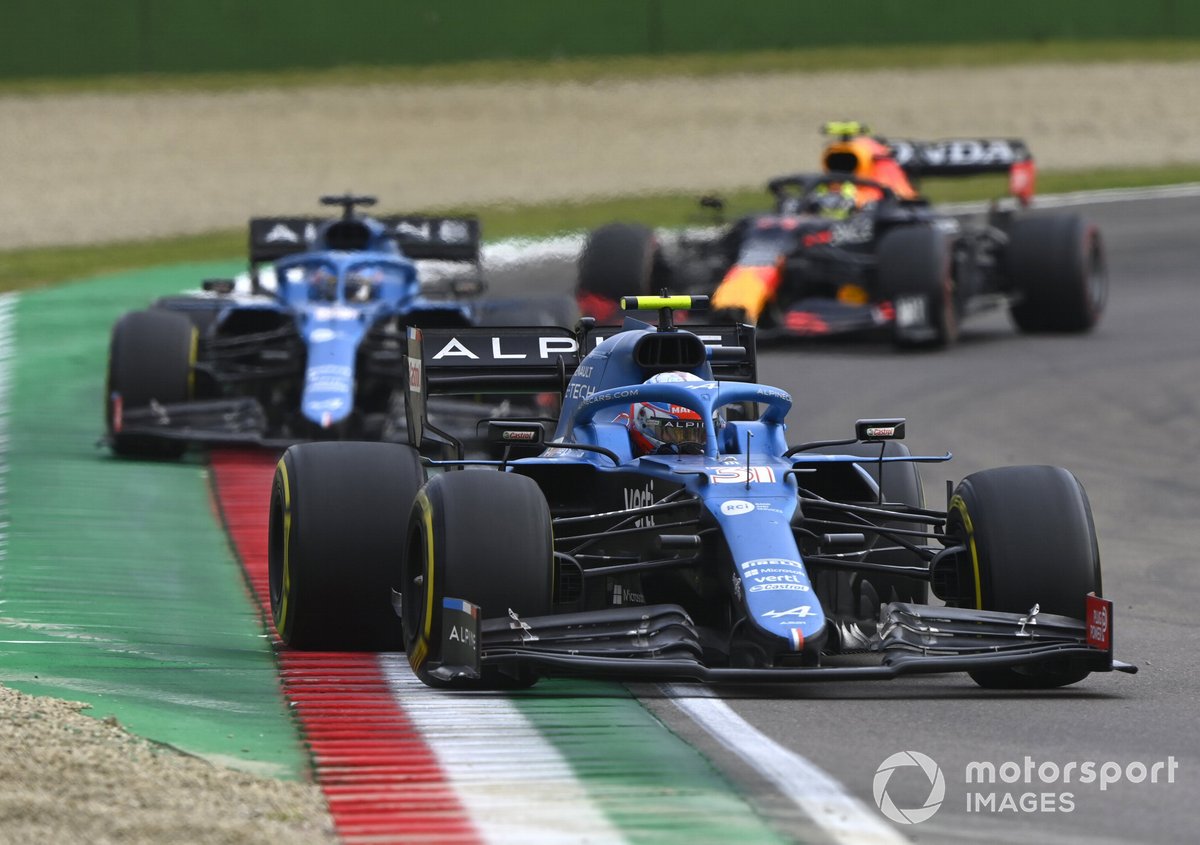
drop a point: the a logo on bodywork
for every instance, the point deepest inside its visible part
(281, 233)
(740, 475)
(801, 612)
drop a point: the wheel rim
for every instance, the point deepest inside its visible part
(1095, 280)
(415, 609)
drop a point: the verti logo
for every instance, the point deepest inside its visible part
(904, 760)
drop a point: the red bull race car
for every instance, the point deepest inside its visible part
(856, 248)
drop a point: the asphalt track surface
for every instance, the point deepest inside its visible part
(1119, 408)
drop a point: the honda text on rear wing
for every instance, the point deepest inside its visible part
(855, 150)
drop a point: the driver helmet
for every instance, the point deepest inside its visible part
(835, 201)
(322, 283)
(362, 284)
(663, 427)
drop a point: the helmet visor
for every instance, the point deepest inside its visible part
(676, 431)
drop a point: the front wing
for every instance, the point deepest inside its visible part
(824, 317)
(242, 422)
(661, 643)
(215, 422)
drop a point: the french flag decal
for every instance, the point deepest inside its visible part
(464, 606)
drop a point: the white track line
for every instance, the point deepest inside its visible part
(845, 818)
(515, 785)
(513, 252)
(8, 340)
(502, 255)
(1108, 195)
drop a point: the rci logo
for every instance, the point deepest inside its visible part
(909, 759)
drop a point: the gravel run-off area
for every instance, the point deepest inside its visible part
(84, 168)
(88, 168)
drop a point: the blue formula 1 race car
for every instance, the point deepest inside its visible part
(314, 349)
(666, 530)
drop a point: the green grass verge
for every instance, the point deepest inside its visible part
(864, 57)
(28, 268)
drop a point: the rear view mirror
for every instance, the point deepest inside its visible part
(873, 431)
(223, 287)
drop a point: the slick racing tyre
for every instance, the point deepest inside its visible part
(201, 311)
(335, 543)
(619, 259)
(1055, 265)
(914, 274)
(150, 359)
(483, 537)
(1031, 540)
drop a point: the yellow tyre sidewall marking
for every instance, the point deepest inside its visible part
(420, 650)
(193, 352)
(957, 504)
(282, 476)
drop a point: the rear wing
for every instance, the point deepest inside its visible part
(272, 238)
(535, 359)
(420, 237)
(436, 238)
(969, 157)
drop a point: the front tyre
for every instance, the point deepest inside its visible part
(618, 259)
(483, 537)
(339, 511)
(1029, 533)
(915, 274)
(151, 356)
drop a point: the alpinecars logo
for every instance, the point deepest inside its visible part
(903, 760)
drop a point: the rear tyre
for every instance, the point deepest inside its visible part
(339, 512)
(483, 537)
(1055, 264)
(1031, 538)
(618, 259)
(150, 359)
(914, 273)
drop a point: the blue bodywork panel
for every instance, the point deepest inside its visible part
(742, 479)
